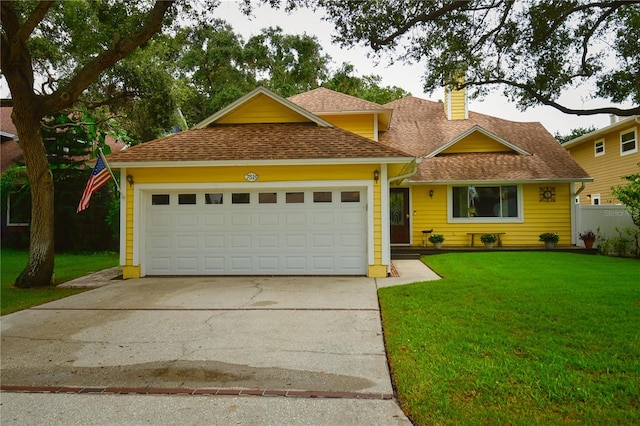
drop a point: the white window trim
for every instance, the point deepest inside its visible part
(9, 223)
(635, 139)
(517, 219)
(594, 198)
(595, 148)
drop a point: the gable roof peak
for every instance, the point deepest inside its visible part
(477, 128)
(326, 100)
(258, 91)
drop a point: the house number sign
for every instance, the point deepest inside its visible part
(251, 177)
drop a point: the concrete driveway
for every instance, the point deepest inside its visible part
(201, 350)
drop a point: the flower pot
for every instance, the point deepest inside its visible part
(437, 245)
(588, 244)
(488, 245)
(549, 245)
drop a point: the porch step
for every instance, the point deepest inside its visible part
(404, 256)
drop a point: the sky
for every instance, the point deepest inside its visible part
(405, 76)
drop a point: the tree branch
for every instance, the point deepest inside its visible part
(33, 20)
(67, 95)
(377, 43)
(546, 101)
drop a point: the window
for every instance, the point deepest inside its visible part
(160, 199)
(595, 199)
(186, 198)
(295, 197)
(213, 198)
(485, 202)
(268, 198)
(322, 197)
(18, 208)
(240, 198)
(598, 148)
(350, 196)
(628, 142)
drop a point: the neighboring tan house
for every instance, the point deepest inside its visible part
(607, 154)
(263, 187)
(325, 183)
(477, 174)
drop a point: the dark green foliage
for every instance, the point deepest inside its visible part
(575, 133)
(70, 138)
(534, 51)
(367, 87)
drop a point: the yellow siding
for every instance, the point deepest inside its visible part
(477, 142)
(262, 109)
(237, 173)
(360, 124)
(539, 217)
(607, 170)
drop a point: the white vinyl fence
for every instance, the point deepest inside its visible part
(606, 218)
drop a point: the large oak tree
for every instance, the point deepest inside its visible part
(535, 49)
(70, 43)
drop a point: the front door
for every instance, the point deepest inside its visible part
(399, 215)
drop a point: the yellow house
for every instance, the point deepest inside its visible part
(476, 173)
(607, 155)
(263, 187)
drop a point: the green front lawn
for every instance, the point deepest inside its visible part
(68, 267)
(517, 338)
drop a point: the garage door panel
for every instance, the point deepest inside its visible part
(213, 242)
(186, 220)
(323, 241)
(188, 242)
(213, 219)
(295, 241)
(295, 219)
(187, 265)
(268, 264)
(214, 264)
(323, 263)
(274, 237)
(268, 241)
(268, 219)
(323, 218)
(240, 264)
(159, 241)
(241, 219)
(240, 241)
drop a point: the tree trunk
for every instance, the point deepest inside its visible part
(39, 269)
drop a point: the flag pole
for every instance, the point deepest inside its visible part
(104, 160)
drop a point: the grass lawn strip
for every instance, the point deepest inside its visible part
(67, 267)
(517, 338)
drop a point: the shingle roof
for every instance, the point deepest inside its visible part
(272, 141)
(326, 100)
(420, 127)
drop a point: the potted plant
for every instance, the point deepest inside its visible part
(488, 240)
(588, 237)
(437, 240)
(550, 239)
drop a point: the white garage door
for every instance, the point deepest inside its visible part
(265, 232)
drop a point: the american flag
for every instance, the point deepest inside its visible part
(99, 177)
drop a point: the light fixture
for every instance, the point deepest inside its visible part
(130, 179)
(431, 193)
(376, 175)
(589, 196)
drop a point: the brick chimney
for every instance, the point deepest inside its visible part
(456, 106)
